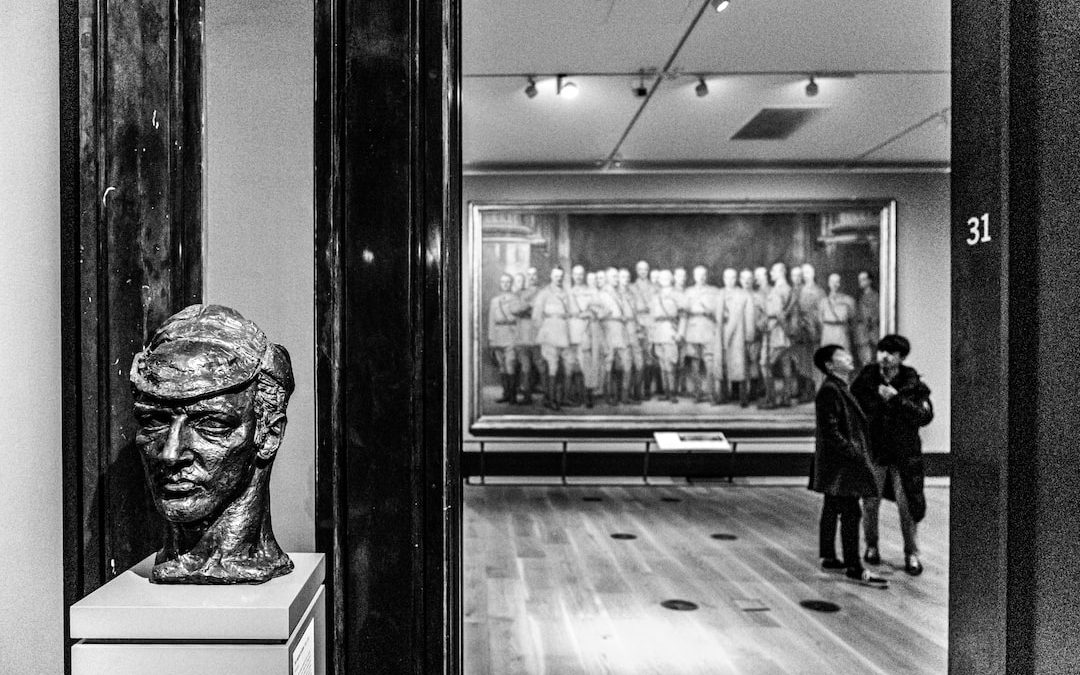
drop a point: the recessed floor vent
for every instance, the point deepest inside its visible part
(775, 124)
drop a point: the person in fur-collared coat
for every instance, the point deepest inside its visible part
(841, 468)
(897, 404)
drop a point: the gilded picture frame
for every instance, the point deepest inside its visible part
(600, 387)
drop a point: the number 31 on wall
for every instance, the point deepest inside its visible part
(979, 228)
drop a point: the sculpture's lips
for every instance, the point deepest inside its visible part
(181, 487)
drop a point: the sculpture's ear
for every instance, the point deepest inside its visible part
(272, 432)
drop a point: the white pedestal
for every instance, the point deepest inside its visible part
(130, 626)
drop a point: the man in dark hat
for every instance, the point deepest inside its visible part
(897, 403)
(210, 397)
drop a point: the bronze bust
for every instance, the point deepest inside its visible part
(210, 397)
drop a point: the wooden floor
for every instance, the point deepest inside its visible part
(548, 590)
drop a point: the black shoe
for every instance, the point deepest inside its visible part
(912, 565)
(872, 556)
(865, 578)
(832, 564)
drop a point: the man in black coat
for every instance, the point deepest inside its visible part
(841, 466)
(897, 403)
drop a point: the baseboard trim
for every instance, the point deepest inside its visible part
(631, 464)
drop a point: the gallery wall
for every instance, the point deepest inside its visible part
(922, 275)
(260, 211)
(31, 547)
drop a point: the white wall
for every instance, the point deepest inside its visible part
(260, 211)
(923, 271)
(31, 548)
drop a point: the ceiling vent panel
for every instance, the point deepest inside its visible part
(776, 124)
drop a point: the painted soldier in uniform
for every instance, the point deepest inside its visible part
(836, 314)
(664, 307)
(698, 328)
(633, 332)
(679, 289)
(552, 309)
(501, 335)
(753, 339)
(643, 289)
(584, 379)
(735, 324)
(807, 331)
(867, 326)
(610, 311)
(598, 282)
(525, 339)
(775, 356)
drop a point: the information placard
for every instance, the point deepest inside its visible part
(303, 660)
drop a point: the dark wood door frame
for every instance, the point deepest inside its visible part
(131, 252)
(387, 251)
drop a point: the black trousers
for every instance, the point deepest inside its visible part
(849, 512)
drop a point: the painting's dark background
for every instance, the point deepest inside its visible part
(717, 241)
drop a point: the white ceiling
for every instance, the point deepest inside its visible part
(759, 54)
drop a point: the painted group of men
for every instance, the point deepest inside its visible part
(626, 337)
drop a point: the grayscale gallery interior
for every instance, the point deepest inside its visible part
(522, 330)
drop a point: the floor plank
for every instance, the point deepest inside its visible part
(547, 590)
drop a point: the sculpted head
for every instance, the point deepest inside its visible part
(761, 277)
(210, 397)
(796, 275)
(556, 276)
(611, 277)
(577, 275)
(778, 273)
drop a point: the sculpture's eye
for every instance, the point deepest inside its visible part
(151, 422)
(213, 426)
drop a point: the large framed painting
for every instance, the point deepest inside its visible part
(616, 317)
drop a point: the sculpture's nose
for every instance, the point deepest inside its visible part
(173, 448)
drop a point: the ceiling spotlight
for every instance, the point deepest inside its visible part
(720, 5)
(701, 89)
(812, 87)
(640, 91)
(566, 89)
(530, 89)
